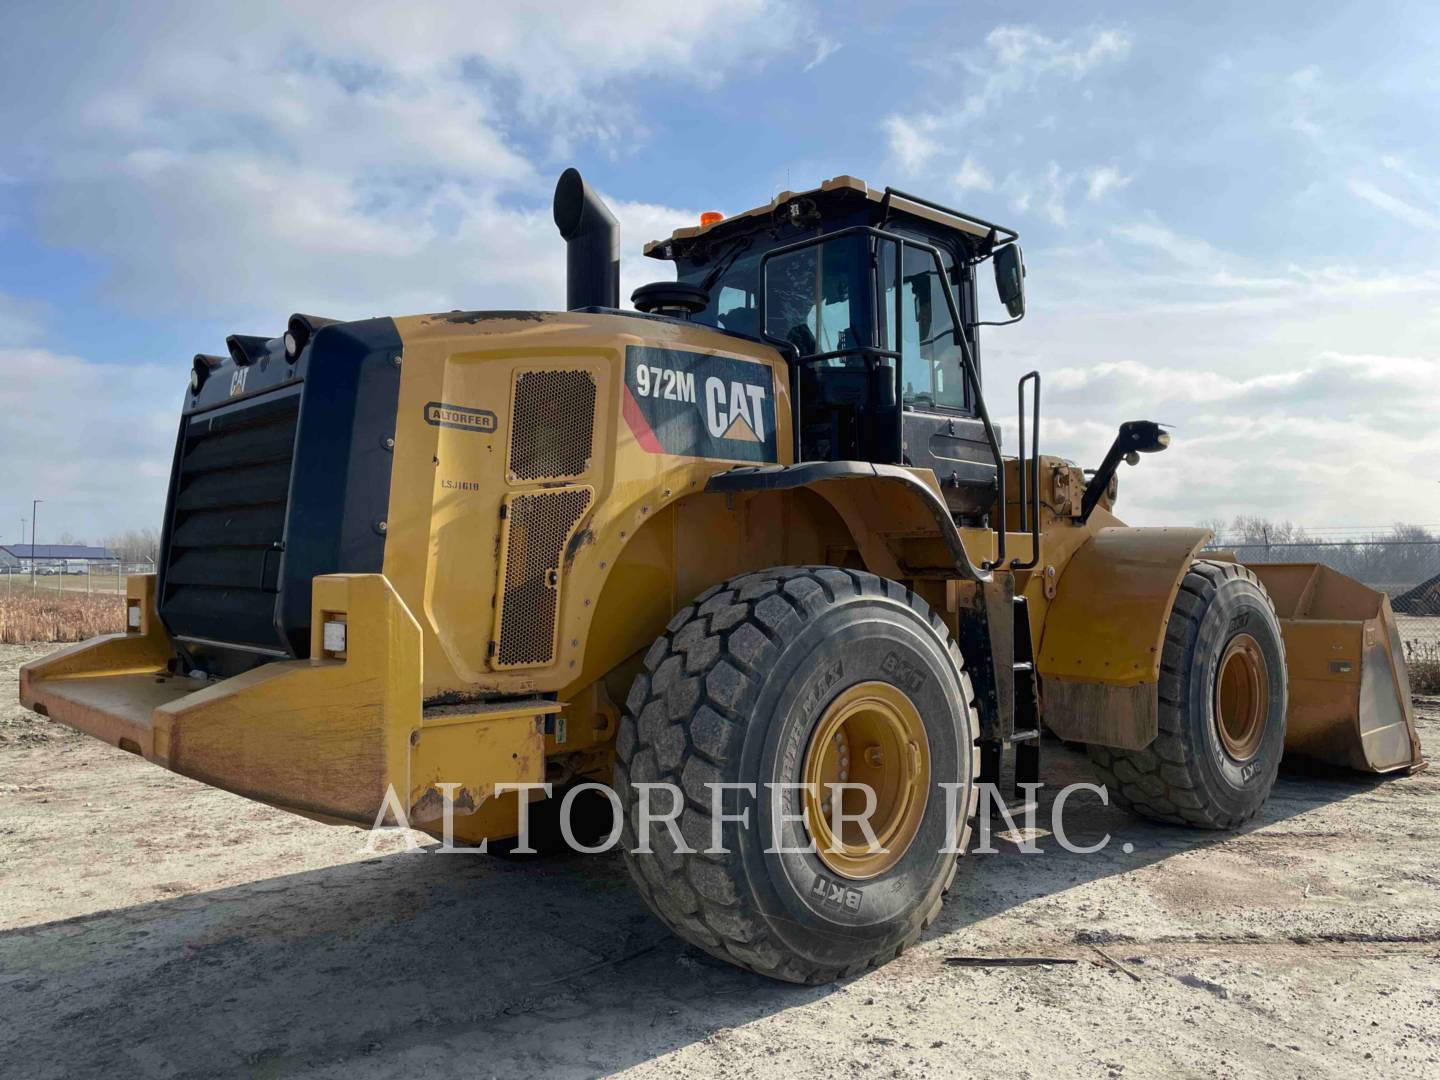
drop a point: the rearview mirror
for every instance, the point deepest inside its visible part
(1010, 279)
(924, 306)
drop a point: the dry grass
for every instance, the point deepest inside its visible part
(1422, 657)
(49, 615)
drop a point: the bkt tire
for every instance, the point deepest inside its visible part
(1222, 708)
(797, 675)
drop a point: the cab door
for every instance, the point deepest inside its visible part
(940, 426)
(821, 307)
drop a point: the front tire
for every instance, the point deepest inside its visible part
(1223, 698)
(751, 684)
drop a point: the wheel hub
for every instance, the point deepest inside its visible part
(871, 734)
(1242, 697)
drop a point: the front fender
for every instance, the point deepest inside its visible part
(1100, 646)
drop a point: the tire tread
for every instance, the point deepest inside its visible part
(720, 917)
(1161, 781)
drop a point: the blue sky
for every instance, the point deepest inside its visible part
(1231, 212)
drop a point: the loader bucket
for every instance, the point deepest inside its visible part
(1350, 699)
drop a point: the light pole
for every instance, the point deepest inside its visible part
(33, 506)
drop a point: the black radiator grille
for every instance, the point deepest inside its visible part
(222, 565)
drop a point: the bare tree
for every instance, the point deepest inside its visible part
(1397, 558)
(135, 545)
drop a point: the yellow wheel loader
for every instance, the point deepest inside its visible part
(753, 543)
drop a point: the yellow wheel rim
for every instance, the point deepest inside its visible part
(871, 734)
(1242, 697)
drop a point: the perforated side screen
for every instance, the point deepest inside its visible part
(538, 525)
(552, 426)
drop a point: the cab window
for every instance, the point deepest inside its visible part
(931, 361)
(819, 298)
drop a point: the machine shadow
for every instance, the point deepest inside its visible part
(993, 884)
(551, 968)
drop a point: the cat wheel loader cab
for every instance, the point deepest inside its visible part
(750, 553)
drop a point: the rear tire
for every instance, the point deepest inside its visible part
(733, 692)
(1223, 699)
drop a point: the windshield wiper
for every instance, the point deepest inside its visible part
(727, 260)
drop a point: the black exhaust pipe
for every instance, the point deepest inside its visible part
(592, 239)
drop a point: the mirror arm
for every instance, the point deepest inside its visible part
(1007, 322)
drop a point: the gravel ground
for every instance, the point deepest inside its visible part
(19, 726)
(152, 926)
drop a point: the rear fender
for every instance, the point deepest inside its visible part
(886, 508)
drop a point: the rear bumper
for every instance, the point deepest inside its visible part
(333, 736)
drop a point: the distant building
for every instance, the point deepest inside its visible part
(1423, 599)
(22, 555)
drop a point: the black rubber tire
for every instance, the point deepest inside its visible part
(1185, 776)
(730, 693)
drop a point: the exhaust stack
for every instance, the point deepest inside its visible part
(592, 238)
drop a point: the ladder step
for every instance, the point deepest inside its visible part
(1024, 667)
(1025, 736)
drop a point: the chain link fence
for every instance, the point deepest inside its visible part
(1405, 566)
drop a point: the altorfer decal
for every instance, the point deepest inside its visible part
(439, 414)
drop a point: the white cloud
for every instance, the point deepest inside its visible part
(1283, 444)
(973, 177)
(1284, 401)
(96, 478)
(1057, 182)
(1022, 59)
(1420, 181)
(641, 222)
(1304, 87)
(1015, 60)
(20, 320)
(240, 163)
(910, 141)
(1183, 249)
(825, 47)
(1395, 206)
(1023, 46)
(1104, 179)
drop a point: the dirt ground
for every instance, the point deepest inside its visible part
(150, 926)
